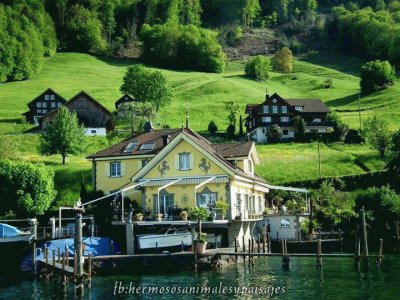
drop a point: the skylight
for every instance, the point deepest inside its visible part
(147, 146)
(129, 148)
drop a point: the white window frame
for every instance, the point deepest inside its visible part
(275, 109)
(317, 120)
(44, 104)
(52, 97)
(53, 105)
(184, 161)
(285, 119)
(59, 104)
(46, 97)
(298, 108)
(39, 104)
(284, 109)
(44, 111)
(115, 169)
(265, 109)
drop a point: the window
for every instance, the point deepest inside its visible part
(299, 108)
(317, 120)
(285, 223)
(285, 132)
(53, 105)
(184, 161)
(44, 104)
(39, 111)
(93, 131)
(284, 119)
(129, 148)
(115, 169)
(59, 104)
(147, 146)
(284, 109)
(46, 97)
(265, 109)
(38, 104)
(44, 111)
(206, 199)
(266, 119)
(52, 97)
(275, 109)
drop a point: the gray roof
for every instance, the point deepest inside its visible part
(309, 105)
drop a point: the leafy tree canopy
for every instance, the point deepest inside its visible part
(283, 61)
(258, 67)
(376, 132)
(376, 75)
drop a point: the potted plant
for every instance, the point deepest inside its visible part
(158, 217)
(198, 213)
(201, 243)
(184, 215)
(139, 217)
(221, 207)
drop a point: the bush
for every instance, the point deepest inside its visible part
(274, 134)
(283, 61)
(230, 132)
(258, 67)
(212, 127)
(327, 84)
(376, 75)
(353, 137)
(183, 46)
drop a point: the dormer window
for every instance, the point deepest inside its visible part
(275, 109)
(299, 108)
(265, 109)
(317, 120)
(284, 109)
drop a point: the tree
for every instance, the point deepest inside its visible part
(394, 162)
(147, 86)
(339, 127)
(135, 114)
(63, 136)
(26, 188)
(230, 131)
(376, 132)
(283, 61)
(376, 75)
(233, 109)
(212, 127)
(274, 134)
(258, 67)
(300, 128)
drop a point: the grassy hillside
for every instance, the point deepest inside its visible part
(69, 73)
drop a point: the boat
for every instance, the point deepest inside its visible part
(165, 238)
(11, 234)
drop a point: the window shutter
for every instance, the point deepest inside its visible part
(108, 166)
(191, 159)
(123, 169)
(177, 161)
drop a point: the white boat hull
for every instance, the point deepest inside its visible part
(18, 238)
(164, 241)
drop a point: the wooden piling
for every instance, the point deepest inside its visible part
(215, 242)
(379, 258)
(236, 248)
(319, 252)
(63, 262)
(249, 259)
(58, 255)
(66, 256)
(195, 254)
(269, 242)
(34, 258)
(244, 251)
(258, 244)
(397, 230)
(243, 245)
(75, 266)
(46, 254)
(53, 252)
(89, 271)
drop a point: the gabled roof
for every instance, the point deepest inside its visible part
(106, 111)
(48, 91)
(124, 98)
(309, 105)
(233, 149)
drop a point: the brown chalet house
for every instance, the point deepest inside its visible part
(46, 102)
(96, 119)
(280, 111)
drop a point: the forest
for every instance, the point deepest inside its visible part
(171, 32)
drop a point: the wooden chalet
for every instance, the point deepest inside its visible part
(124, 99)
(91, 114)
(46, 102)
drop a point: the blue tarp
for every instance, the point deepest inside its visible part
(91, 245)
(7, 231)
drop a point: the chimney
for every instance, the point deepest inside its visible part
(165, 139)
(266, 94)
(148, 127)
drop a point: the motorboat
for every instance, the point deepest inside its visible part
(11, 234)
(165, 238)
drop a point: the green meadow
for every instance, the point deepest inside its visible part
(205, 94)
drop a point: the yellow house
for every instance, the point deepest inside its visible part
(179, 169)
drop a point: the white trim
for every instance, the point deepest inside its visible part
(120, 157)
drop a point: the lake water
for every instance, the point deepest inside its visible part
(336, 280)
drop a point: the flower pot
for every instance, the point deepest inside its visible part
(201, 247)
(139, 218)
(184, 217)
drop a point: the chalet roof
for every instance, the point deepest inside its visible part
(233, 149)
(219, 152)
(124, 98)
(90, 98)
(48, 91)
(309, 105)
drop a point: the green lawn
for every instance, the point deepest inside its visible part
(205, 93)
